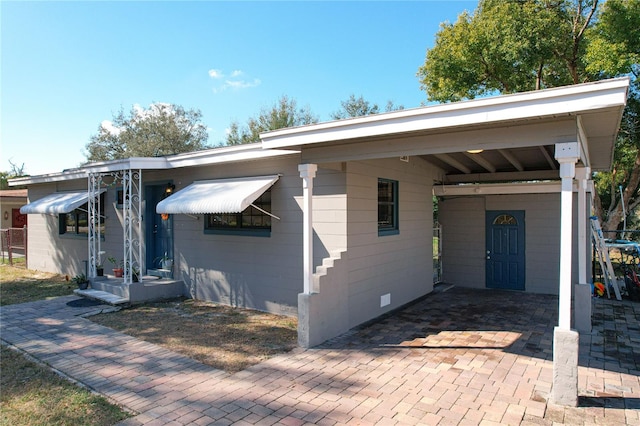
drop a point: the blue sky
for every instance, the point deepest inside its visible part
(68, 66)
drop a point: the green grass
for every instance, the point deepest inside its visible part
(34, 395)
(31, 394)
(19, 285)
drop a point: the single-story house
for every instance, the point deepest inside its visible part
(10, 202)
(333, 222)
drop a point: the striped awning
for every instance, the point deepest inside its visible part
(216, 196)
(57, 203)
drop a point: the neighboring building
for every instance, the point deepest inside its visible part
(333, 222)
(10, 202)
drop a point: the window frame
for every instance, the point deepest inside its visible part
(394, 227)
(240, 219)
(83, 210)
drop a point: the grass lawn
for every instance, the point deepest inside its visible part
(223, 337)
(34, 395)
(19, 285)
(31, 394)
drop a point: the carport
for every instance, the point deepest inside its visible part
(547, 141)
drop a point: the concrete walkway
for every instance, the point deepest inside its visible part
(461, 356)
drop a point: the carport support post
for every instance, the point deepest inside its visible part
(307, 309)
(582, 297)
(565, 341)
(307, 173)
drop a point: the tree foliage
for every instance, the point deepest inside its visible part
(615, 50)
(284, 113)
(162, 129)
(357, 107)
(509, 46)
(15, 172)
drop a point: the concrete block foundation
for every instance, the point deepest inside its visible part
(565, 367)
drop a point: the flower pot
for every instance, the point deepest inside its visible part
(100, 272)
(83, 285)
(118, 272)
(167, 264)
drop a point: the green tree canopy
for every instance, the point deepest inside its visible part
(357, 107)
(615, 50)
(162, 129)
(284, 113)
(509, 46)
(15, 172)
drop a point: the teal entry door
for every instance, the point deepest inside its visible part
(505, 257)
(159, 228)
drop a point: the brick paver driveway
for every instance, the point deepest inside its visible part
(456, 357)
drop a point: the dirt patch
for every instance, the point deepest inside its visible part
(227, 338)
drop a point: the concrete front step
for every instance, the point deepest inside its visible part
(102, 296)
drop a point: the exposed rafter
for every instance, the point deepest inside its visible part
(512, 159)
(478, 159)
(550, 160)
(453, 162)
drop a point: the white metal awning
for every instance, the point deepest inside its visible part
(57, 203)
(217, 196)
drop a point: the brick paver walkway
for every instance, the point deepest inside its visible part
(461, 356)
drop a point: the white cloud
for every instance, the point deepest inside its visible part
(108, 126)
(214, 73)
(242, 84)
(233, 81)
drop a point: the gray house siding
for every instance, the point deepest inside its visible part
(397, 267)
(241, 270)
(66, 254)
(463, 231)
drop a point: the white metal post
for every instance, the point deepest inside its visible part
(565, 340)
(567, 155)
(307, 173)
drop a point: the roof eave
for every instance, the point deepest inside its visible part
(540, 104)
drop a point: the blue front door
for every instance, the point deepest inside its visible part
(159, 228)
(505, 262)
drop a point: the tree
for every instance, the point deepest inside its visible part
(506, 47)
(353, 107)
(284, 113)
(162, 129)
(509, 46)
(615, 50)
(15, 172)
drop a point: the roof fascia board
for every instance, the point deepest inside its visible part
(197, 158)
(568, 100)
(529, 134)
(228, 157)
(48, 178)
(583, 143)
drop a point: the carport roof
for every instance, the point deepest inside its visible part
(516, 132)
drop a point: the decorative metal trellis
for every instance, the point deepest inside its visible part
(131, 183)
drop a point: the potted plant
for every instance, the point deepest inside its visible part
(165, 262)
(81, 281)
(118, 269)
(99, 265)
(135, 274)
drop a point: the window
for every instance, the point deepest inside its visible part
(77, 221)
(251, 221)
(505, 219)
(387, 207)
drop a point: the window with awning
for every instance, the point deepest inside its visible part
(57, 203)
(217, 196)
